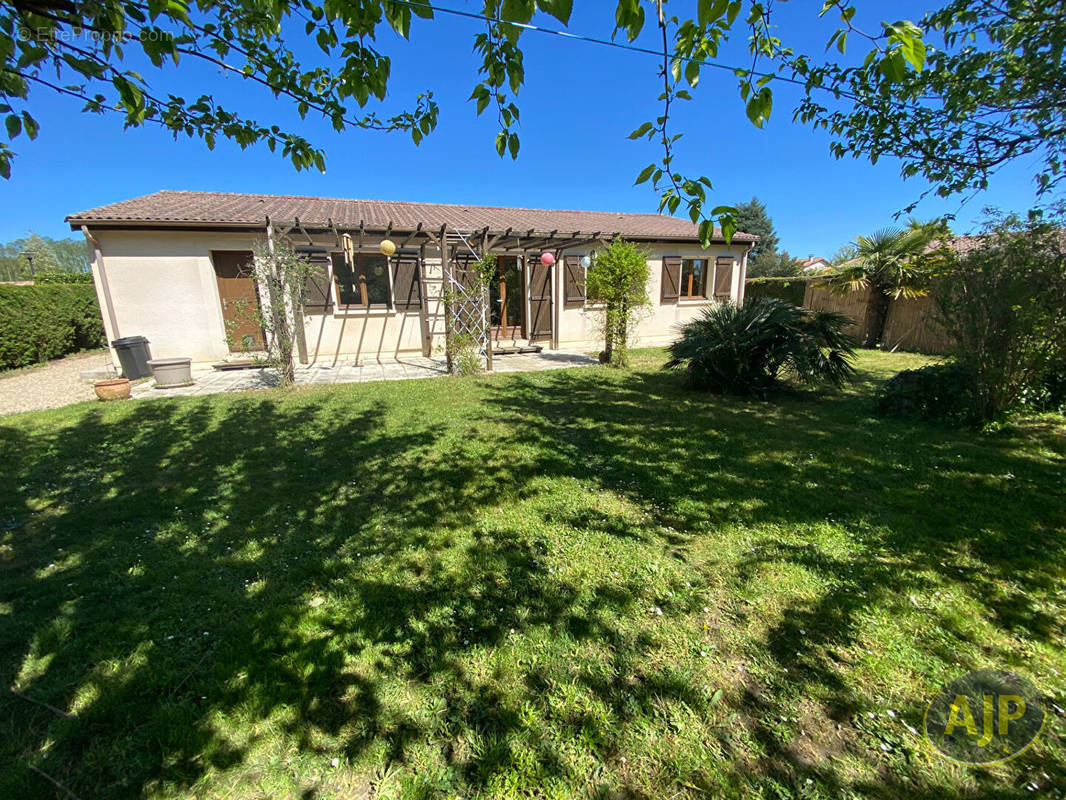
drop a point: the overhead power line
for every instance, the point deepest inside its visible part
(626, 46)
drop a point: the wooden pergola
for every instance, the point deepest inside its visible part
(448, 240)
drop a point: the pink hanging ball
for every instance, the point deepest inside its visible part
(547, 259)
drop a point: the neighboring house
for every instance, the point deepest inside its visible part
(172, 265)
(814, 264)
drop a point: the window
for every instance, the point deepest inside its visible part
(365, 283)
(694, 278)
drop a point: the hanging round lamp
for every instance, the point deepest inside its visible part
(586, 262)
(547, 259)
(388, 247)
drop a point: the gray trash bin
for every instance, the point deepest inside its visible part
(133, 355)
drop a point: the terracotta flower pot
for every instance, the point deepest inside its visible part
(112, 389)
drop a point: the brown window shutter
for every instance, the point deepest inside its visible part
(405, 283)
(723, 277)
(318, 297)
(575, 281)
(671, 280)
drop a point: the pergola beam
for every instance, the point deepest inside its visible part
(485, 239)
(414, 234)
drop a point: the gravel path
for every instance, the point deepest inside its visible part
(50, 385)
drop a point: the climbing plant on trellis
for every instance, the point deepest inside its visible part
(466, 300)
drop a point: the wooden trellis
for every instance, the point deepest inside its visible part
(466, 304)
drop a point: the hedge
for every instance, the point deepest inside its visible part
(38, 323)
(791, 290)
(63, 277)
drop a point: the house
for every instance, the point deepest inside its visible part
(172, 266)
(814, 264)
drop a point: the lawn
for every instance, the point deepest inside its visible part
(575, 583)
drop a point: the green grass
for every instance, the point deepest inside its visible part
(574, 583)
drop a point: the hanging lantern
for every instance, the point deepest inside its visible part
(547, 259)
(388, 247)
(586, 262)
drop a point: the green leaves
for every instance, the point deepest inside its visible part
(728, 222)
(29, 124)
(905, 39)
(560, 9)
(710, 11)
(644, 174)
(483, 96)
(629, 16)
(507, 142)
(13, 124)
(643, 130)
(759, 106)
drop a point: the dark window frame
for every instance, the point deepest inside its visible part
(352, 295)
(685, 279)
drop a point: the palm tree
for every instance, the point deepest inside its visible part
(889, 263)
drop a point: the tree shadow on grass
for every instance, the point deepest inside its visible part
(925, 508)
(199, 583)
(189, 579)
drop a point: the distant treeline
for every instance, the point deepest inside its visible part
(21, 259)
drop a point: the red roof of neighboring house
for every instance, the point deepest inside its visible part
(215, 209)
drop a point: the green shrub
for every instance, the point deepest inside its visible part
(791, 290)
(466, 355)
(617, 280)
(1003, 307)
(746, 349)
(63, 277)
(38, 323)
(937, 393)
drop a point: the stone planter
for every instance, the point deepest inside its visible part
(112, 389)
(171, 373)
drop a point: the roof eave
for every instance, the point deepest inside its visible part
(76, 223)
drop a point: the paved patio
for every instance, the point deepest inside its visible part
(211, 381)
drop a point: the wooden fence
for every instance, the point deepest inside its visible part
(911, 323)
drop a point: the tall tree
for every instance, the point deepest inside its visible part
(764, 261)
(775, 265)
(752, 217)
(889, 263)
(953, 113)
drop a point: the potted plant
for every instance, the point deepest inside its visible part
(112, 389)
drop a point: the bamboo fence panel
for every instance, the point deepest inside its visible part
(911, 323)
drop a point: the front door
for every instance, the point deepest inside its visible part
(540, 299)
(239, 299)
(505, 300)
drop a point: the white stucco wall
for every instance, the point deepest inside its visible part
(162, 286)
(579, 327)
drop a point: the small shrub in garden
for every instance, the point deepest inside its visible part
(747, 349)
(466, 355)
(939, 393)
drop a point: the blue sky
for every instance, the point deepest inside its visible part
(579, 103)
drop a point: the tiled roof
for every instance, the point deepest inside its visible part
(219, 208)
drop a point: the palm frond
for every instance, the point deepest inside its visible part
(744, 350)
